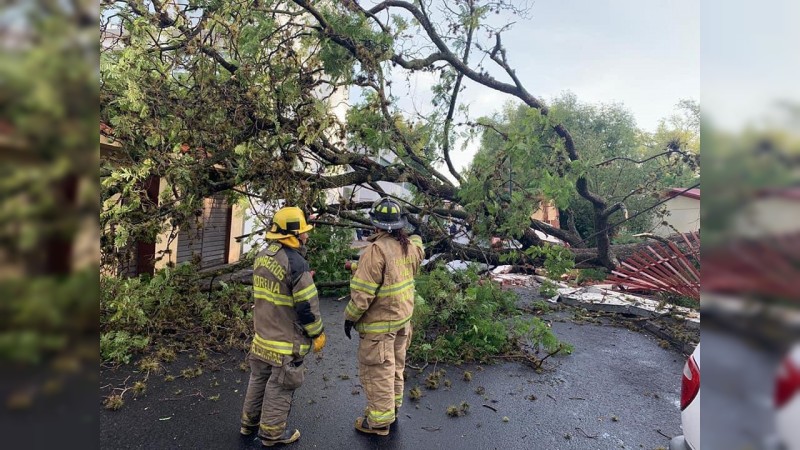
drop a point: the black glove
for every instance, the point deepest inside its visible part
(348, 325)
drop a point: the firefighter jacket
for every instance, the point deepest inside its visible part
(382, 288)
(286, 314)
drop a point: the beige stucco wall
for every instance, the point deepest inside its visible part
(683, 215)
(86, 247)
(166, 250)
(769, 216)
(547, 213)
(237, 229)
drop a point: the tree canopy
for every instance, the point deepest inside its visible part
(240, 96)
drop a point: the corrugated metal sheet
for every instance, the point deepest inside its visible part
(766, 267)
(663, 268)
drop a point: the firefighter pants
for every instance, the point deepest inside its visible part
(381, 360)
(269, 395)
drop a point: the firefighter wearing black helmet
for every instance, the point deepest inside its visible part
(380, 309)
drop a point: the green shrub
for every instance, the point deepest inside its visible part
(328, 249)
(585, 275)
(625, 238)
(534, 333)
(460, 317)
(678, 300)
(558, 260)
(118, 346)
(135, 312)
(541, 305)
(548, 289)
(41, 317)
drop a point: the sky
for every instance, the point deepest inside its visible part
(643, 54)
(751, 64)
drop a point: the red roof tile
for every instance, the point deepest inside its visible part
(691, 193)
(790, 193)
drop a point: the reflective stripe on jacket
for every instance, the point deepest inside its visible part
(382, 288)
(286, 314)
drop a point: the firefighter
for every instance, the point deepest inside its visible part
(287, 325)
(382, 301)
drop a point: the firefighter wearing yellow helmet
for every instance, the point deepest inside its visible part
(382, 301)
(287, 325)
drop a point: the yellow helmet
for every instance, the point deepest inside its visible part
(288, 221)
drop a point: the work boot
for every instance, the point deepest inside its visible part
(287, 437)
(247, 430)
(249, 424)
(362, 425)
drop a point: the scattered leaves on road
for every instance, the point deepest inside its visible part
(113, 402)
(415, 393)
(458, 411)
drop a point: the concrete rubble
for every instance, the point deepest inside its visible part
(503, 275)
(599, 298)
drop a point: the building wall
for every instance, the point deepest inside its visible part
(769, 216)
(547, 213)
(253, 223)
(212, 238)
(683, 213)
(86, 248)
(206, 239)
(237, 229)
(362, 194)
(166, 243)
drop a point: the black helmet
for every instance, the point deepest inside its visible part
(387, 214)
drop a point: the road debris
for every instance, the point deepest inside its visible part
(590, 436)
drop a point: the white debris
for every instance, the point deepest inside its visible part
(548, 238)
(560, 284)
(433, 258)
(597, 298)
(502, 269)
(459, 265)
(514, 279)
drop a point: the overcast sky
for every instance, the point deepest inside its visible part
(644, 54)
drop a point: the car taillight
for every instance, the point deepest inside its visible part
(787, 384)
(690, 385)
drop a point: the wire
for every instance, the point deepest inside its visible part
(666, 199)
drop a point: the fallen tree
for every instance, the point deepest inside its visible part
(240, 98)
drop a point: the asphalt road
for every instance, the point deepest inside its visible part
(619, 389)
(737, 379)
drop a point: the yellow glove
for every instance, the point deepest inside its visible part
(319, 342)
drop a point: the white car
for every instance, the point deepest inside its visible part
(787, 400)
(690, 405)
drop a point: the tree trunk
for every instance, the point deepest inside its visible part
(605, 254)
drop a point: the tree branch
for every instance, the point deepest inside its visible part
(453, 98)
(567, 236)
(623, 158)
(614, 208)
